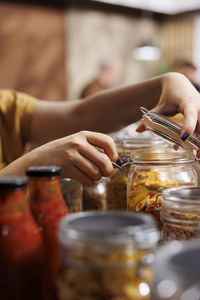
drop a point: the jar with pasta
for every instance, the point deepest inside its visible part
(180, 213)
(151, 172)
(103, 256)
(116, 185)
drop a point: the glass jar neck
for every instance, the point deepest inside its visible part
(13, 202)
(45, 189)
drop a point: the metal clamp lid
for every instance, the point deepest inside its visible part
(168, 129)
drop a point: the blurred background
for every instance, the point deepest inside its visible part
(54, 49)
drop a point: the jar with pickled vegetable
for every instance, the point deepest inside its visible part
(102, 256)
(48, 207)
(94, 196)
(72, 192)
(151, 172)
(180, 213)
(116, 185)
(21, 244)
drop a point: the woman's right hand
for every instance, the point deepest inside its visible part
(84, 156)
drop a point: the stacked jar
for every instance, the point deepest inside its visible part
(102, 256)
(151, 172)
(116, 185)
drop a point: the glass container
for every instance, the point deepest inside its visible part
(180, 213)
(72, 193)
(176, 271)
(94, 196)
(151, 172)
(21, 244)
(48, 207)
(102, 256)
(116, 185)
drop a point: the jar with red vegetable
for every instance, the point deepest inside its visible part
(21, 244)
(48, 207)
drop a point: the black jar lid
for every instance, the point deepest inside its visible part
(12, 181)
(43, 171)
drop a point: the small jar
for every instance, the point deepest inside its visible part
(94, 196)
(116, 185)
(102, 256)
(151, 172)
(176, 270)
(72, 193)
(180, 213)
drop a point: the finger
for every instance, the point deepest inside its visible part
(85, 165)
(104, 142)
(190, 121)
(78, 175)
(99, 158)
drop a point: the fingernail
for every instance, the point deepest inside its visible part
(185, 136)
(118, 162)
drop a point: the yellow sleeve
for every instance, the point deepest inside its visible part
(16, 110)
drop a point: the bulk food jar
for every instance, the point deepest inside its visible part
(102, 256)
(151, 172)
(94, 196)
(177, 271)
(180, 213)
(72, 192)
(116, 185)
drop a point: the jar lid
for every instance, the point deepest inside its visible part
(42, 171)
(179, 258)
(168, 129)
(12, 181)
(111, 227)
(176, 266)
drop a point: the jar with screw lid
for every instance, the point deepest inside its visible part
(176, 271)
(102, 256)
(180, 213)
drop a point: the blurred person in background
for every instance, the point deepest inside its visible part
(71, 134)
(188, 69)
(109, 72)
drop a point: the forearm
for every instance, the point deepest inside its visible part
(109, 111)
(19, 166)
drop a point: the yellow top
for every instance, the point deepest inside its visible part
(16, 110)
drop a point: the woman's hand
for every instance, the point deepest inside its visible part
(84, 156)
(179, 95)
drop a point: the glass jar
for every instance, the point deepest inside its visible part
(151, 172)
(94, 196)
(180, 213)
(21, 244)
(48, 207)
(102, 256)
(72, 193)
(176, 270)
(116, 184)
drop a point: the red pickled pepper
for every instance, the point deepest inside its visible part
(48, 207)
(21, 244)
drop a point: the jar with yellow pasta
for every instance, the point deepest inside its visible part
(116, 185)
(151, 172)
(103, 256)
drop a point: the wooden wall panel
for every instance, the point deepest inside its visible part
(32, 54)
